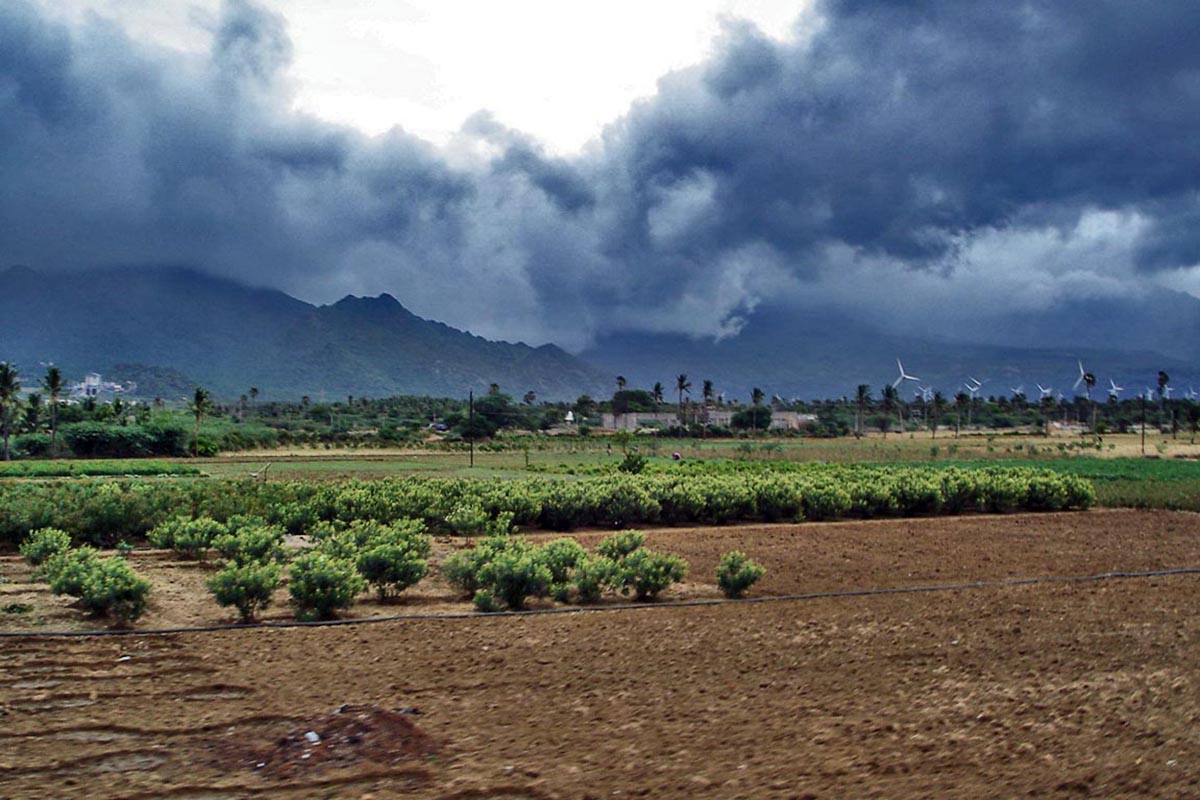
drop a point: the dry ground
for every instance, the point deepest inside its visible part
(1052, 690)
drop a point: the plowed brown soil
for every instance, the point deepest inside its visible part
(1048, 690)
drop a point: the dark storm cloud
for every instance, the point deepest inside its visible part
(928, 142)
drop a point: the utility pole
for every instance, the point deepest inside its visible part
(471, 423)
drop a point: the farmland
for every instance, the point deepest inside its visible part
(954, 673)
(1046, 689)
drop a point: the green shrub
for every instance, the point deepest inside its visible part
(44, 543)
(562, 556)
(736, 573)
(825, 501)
(461, 570)
(348, 542)
(485, 601)
(632, 464)
(295, 518)
(514, 574)
(188, 537)
(320, 585)
(648, 573)
(593, 576)
(620, 545)
(392, 567)
(248, 586)
(261, 544)
(467, 520)
(68, 570)
(112, 588)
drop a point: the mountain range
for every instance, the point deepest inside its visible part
(167, 327)
(229, 337)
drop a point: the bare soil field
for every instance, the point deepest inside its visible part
(1046, 690)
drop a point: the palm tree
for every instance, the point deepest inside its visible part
(253, 394)
(33, 413)
(707, 392)
(939, 408)
(862, 397)
(201, 404)
(888, 404)
(682, 385)
(756, 398)
(961, 400)
(621, 383)
(657, 394)
(1163, 380)
(53, 383)
(10, 386)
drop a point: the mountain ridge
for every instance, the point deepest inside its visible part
(229, 337)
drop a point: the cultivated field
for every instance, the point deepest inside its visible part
(1047, 689)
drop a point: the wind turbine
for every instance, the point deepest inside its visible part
(1113, 389)
(1046, 391)
(973, 386)
(1082, 377)
(1191, 394)
(1016, 390)
(904, 376)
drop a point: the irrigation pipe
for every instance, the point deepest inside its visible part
(781, 598)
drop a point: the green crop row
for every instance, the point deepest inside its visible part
(106, 512)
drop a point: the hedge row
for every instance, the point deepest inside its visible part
(103, 513)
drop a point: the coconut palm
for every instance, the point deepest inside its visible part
(201, 404)
(53, 383)
(862, 397)
(33, 413)
(657, 394)
(888, 404)
(682, 385)
(939, 408)
(10, 387)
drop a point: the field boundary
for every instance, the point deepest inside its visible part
(784, 598)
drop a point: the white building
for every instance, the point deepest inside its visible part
(93, 385)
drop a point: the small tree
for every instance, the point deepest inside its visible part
(736, 573)
(43, 544)
(320, 586)
(248, 587)
(648, 573)
(393, 566)
(112, 588)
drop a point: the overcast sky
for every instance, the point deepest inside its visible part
(551, 171)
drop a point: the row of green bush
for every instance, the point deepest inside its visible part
(502, 571)
(105, 512)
